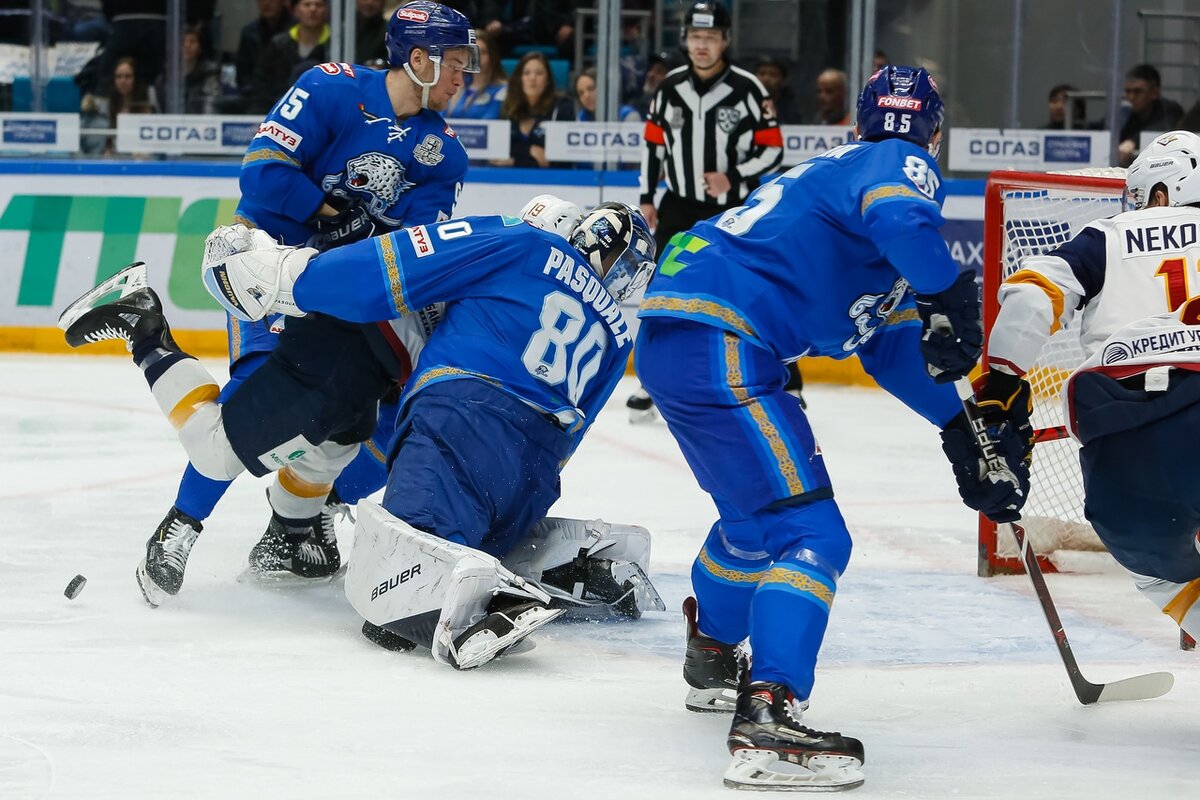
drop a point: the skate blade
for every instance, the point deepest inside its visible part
(154, 595)
(481, 649)
(285, 577)
(647, 597)
(642, 416)
(755, 770)
(710, 701)
(125, 282)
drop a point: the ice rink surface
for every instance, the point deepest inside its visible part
(240, 689)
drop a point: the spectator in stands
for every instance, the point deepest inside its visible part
(553, 24)
(290, 53)
(585, 100)
(831, 99)
(139, 29)
(508, 21)
(128, 95)
(370, 30)
(273, 18)
(1056, 109)
(201, 76)
(656, 69)
(1148, 110)
(1191, 120)
(772, 73)
(485, 90)
(531, 100)
(879, 60)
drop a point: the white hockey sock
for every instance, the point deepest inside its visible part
(300, 488)
(1177, 600)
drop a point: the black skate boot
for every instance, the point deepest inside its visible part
(591, 580)
(308, 550)
(641, 407)
(502, 631)
(132, 319)
(766, 734)
(710, 668)
(160, 575)
(386, 639)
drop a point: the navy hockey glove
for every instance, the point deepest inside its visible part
(951, 329)
(351, 223)
(997, 495)
(1005, 403)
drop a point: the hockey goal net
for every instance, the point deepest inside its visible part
(1027, 213)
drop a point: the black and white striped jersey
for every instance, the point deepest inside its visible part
(724, 124)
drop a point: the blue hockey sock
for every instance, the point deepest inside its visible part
(198, 495)
(363, 476)
(724, 579)
(790, 612)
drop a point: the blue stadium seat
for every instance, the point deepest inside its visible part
(560, 70)
(61, 95)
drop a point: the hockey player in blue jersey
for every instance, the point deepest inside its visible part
(839, 256)
(346, 153)
(531, 346)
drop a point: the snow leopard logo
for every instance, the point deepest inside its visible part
(381, 178)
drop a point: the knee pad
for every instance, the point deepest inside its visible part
(420, 586)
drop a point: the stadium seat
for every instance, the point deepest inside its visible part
(61, 95)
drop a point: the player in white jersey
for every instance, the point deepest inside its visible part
(1134, 405)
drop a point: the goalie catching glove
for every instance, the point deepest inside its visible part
(1003, 406)
(250, 274)
(951, 329)
(350, 224)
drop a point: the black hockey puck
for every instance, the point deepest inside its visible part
(75, 587)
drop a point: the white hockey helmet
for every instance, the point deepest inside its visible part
(616, 240)
(552, 214)
(1173, 160)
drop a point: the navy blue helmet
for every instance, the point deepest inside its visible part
(616, 240)
(432, 27)
(901, 103)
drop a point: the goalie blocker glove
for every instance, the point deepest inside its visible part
(250, 274)
(951, 329)
(351, 223)
(1004, 406)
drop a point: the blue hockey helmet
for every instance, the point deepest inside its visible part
(901, 103)
(616, 241)
(432, 27)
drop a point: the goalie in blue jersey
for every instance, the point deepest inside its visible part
(839, 256)
(346, 153)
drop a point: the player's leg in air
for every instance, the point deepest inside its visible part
(1142, 483)
(277, 419)
(769, 568)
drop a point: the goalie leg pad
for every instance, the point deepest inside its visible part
(427, 589)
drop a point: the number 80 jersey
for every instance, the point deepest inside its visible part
(525, 311)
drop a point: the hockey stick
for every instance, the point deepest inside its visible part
(1139, 687)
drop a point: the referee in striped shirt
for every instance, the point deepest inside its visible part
(712, 131)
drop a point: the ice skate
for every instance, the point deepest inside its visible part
(641, 407)
(710, 668)
(503, 630)
(134, 313)
(600, 588)
(160, 575)
(308, 551)
(386, 639)
(773, 751)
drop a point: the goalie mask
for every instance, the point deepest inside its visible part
(616, 241)
(901, 103)
(434, 28)
(552, 214)
(1172, 159)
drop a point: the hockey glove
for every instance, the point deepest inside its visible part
(1005, 403)
(250, 274)
(351, 223)
(951, 330)
(997, 495)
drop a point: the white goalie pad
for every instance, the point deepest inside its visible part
(124, 283)
(250, 274)
(398, 575)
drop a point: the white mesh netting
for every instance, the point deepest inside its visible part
(1036, 220)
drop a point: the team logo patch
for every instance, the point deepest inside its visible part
(429, 151)
(412, 14)
(382, 178)
(1115, 353)
(728, 118)
(282, 136)
(421, 243)
(450, 132)
(675, 119)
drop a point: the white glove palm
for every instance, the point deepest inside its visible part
(250, 274)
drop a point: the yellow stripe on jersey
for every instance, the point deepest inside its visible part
(387, 249)
(267, 154)
(733, 378)
(296, 486)
(192, 402)
(694, 305)
(888, 192)
(728, 573)
(1057, 301)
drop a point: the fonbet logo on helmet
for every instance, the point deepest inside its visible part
(901, 103)
(615, 240)
(891, 101)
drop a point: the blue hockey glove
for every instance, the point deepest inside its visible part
(997, 495)
(350, 224)
(951, 329)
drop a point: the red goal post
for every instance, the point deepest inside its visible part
(1027, 213)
